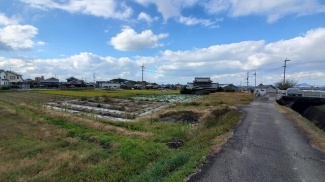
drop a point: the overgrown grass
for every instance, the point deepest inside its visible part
(115, 93)
(38, 144)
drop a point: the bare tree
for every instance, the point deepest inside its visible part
(289, 83)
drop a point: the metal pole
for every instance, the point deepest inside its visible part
(142, 69)
(284, 71)
(255, 76)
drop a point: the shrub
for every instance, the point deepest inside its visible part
(83, 98)
(213, 118)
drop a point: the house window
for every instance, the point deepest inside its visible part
(12, 77)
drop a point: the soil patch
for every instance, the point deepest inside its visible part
(180, 117)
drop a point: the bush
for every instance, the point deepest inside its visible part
(83, 98)
(185, 90)
(213, 118)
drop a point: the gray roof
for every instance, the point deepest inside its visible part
(265, 86)
(14, 73)
(50, 80)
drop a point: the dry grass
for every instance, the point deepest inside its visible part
(229, 98)
(316, 135)
(87, 122)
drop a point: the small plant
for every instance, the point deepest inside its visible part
(83, 98)
(99, 105)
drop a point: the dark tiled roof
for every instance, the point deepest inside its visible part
(14, 73)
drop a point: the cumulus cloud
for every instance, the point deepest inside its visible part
(4, 20)
(169, 8)
(17, 37)
(273, 10)
(80, 65)
(145, 17)
(100, 8)
(226, 63)
(306, 53)
(129, 40)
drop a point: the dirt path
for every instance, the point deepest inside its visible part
(265, 147)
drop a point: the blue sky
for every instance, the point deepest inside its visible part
(175, 40)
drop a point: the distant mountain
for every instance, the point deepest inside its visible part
(303, 85)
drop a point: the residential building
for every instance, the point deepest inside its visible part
(228, 87)
(178, 86)
(3, 78)
(73, 82)
(14, 77)
(108, 85)
(203, 83)
(264, 89)
(51, 82)
(39, 79)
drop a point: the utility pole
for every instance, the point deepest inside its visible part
(142, 69)
(284, 73)
(247, 80)
(94, 76)
(255, 76)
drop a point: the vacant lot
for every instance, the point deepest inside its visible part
(38, 143)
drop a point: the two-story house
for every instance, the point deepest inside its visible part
(3, 78)
(14, 77)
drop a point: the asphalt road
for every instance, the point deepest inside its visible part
(265, 147)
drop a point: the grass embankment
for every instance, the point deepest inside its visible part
(39, 144)
(113, 93)
(316, 135)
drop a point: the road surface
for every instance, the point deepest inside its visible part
(265, 147)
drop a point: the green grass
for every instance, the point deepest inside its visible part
(36, 146)
(116, 93)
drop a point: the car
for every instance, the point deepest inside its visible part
(294, 92)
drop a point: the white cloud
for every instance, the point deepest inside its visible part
(129, 40)
(195, 21)
(145, 17)
(306, 53)
(273, 10)
(17, 37)
(226, 63)
(41, 43)
(100, 8)
(4, 20)
(169, 8)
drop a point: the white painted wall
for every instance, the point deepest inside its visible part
(110, 85)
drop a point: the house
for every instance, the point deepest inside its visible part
(264, 89)
(178, 86)
(108, 85)
(39, 79)
(73, 83)
(14, 77)
(203, 84)
(3, 79)
(51, 82)
(228, 87)
(137, 86)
